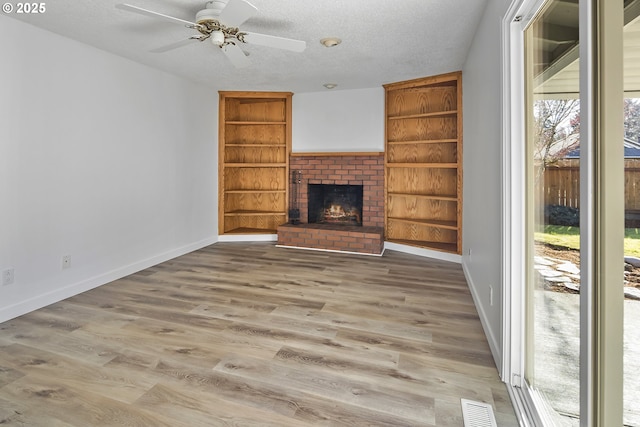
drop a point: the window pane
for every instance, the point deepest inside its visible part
(553, 229)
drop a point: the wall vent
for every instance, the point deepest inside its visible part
(477, 414)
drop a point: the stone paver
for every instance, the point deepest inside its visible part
(557, 341)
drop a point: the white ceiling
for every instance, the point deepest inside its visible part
(383, 41)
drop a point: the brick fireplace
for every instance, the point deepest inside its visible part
(339, 169)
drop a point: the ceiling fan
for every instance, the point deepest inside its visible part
(219, 22)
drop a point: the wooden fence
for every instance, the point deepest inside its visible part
(562, 184)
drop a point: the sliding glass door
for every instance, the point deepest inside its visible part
(574, 361)
(631, 116)
(552, 210)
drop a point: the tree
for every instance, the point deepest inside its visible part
(556, 121)
(632, 118)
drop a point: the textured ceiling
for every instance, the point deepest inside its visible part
(383, 41)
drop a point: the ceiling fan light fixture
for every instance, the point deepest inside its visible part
(330, 41)
(217, 38)
(220, 21)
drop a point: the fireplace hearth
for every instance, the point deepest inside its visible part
(335, 204)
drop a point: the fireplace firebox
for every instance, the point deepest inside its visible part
(335, 204)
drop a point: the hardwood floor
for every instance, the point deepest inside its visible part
(248, 334)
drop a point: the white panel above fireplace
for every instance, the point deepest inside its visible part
(340, 121)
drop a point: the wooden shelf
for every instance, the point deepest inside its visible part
(423, 167)
(337, 153)
(247, 230)
(439, 246)
(254, 145)
(252, 213)
(450, 225)
(255, 165)
(255, 191)
(423, 141)
(425, 196)
(424, 115)
(241, 122)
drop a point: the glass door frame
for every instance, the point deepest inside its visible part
(602, 212)
(601, 318)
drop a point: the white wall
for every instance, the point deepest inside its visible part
(102, 159)
(482, 166)
(340, 120)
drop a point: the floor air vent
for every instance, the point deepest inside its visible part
(477, 414)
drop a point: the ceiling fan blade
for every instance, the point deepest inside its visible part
(236, 12)
(175, 45)
(276, 42)
(236, 55)
(141, 11)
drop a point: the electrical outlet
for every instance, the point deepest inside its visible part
(66, 261)
(469, 252)
(8, 276)
(490, 295)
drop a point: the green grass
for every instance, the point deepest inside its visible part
(569, 237)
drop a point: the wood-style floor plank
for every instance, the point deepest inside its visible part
(248, 334)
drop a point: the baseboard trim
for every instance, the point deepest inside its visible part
(329, 250)
(35, 303)
(248, 238)
(428, 253)
(491, 339)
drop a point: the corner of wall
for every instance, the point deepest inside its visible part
(494, 345)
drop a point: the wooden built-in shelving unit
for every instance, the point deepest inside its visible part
(423, 162)
(255, 141)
